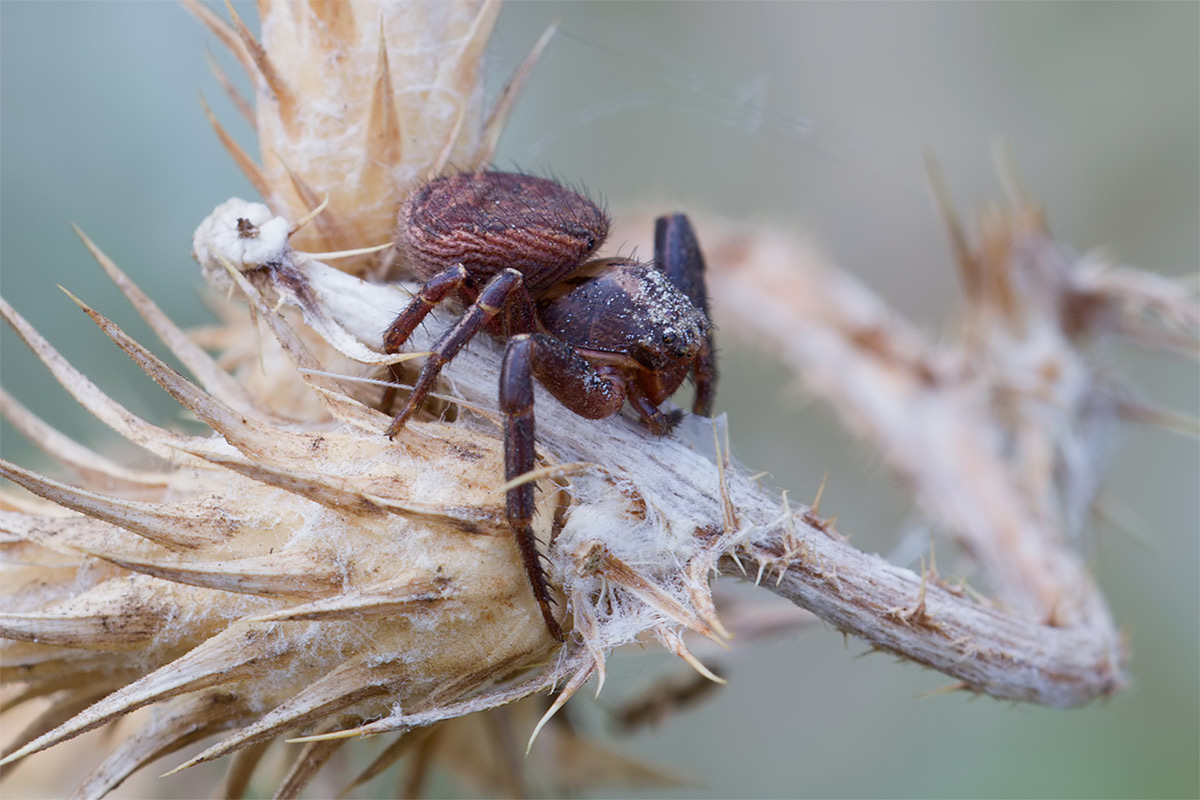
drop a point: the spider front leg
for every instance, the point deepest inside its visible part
(678, 255)
(505, 290)
(435, 290)
(589, 391)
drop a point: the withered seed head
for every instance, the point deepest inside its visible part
(489, 221)
(293, 571)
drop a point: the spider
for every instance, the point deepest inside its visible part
(516, 251)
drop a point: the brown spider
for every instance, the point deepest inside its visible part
(514, 249)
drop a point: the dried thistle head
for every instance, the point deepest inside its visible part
(295, 571)
(356, 102)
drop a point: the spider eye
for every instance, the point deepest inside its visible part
(673, 343)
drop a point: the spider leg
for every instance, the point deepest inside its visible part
(435, 290)
(678, 255)
(659, 423)
(491, 300)
(588, 391)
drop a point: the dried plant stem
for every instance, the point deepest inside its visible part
(999, 649)
(928, 425)
(895, 610)
(998, 432)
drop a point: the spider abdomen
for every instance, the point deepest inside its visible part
(490, 221)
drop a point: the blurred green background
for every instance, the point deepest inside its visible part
(809, 116)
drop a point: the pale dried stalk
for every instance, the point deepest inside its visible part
(999, 431)
(1007, 655)
(925, 410)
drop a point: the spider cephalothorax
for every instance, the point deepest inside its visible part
(515, 249)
